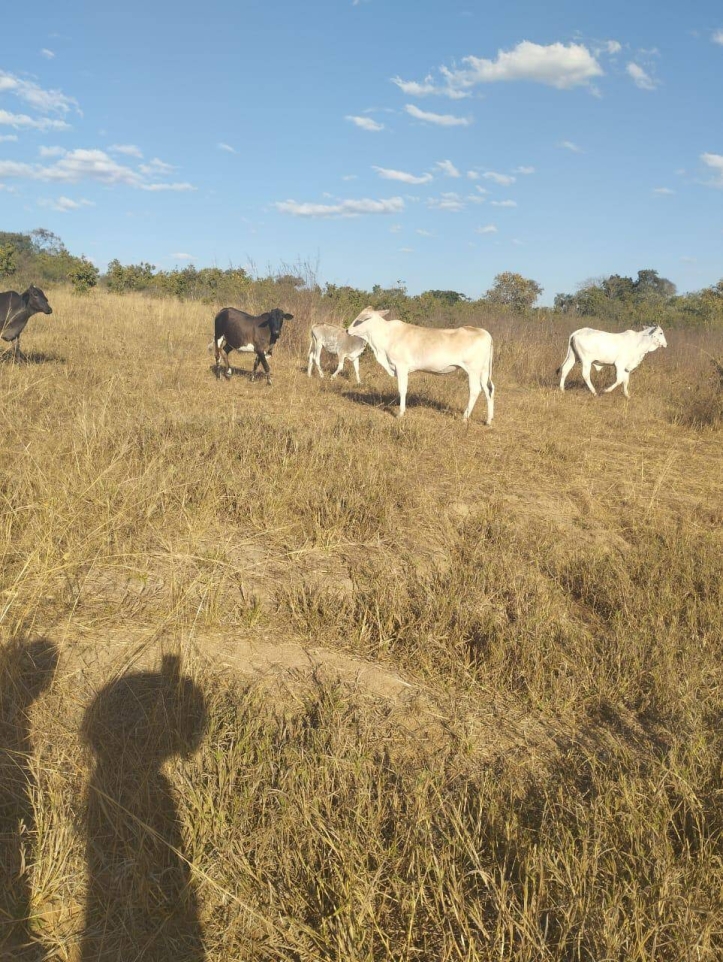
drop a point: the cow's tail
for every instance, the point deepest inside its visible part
(219, 326)
(490, 385)
(570, 353)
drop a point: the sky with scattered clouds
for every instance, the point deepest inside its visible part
(432, 143)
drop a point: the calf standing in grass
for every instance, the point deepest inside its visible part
(336, 341)
(594, 348)
(15, 312)
(236, 330)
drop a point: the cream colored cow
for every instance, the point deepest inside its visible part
(403, 348)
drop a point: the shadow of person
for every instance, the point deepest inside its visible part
(141, 900)
(26, 670)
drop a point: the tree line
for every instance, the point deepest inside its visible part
(41, 257)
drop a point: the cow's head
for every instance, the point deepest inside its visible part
(37, 300)
(657, 336)
(365, 322)
(276, 322)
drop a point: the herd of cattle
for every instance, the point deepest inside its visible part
(400, 348)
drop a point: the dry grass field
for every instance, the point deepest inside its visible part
(284, 677)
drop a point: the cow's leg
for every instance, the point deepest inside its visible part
(224, 350)
(567, 365)
(402, 380)
(257, 361)
(626, 381)
(475, 386)
(340, 365)
(355, 362)
(17, 353)
(620, 377)
(261, 358)
(489, 392)
(315, 358)
(586, 365)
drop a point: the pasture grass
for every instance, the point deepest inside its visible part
(444, 692)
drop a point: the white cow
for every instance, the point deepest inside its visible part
(402, 348)
(625, 351)
(336, 341)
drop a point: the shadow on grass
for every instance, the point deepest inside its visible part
(26, 671)
(390, 399)
(239, 372)
(32, 357)
(141, 901)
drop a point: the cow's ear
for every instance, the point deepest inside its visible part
(288, 317)
(383, 313)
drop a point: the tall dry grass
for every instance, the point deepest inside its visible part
(444, 691)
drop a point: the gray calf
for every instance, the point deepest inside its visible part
(336, 341)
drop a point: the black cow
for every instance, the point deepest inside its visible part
(15, 312)
(238, 331)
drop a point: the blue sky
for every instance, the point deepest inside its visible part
(378, 140)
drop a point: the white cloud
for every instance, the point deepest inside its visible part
(156, 167)
(350, 177)
(718, 37)
(96, 165)
(487, 229)
(640, 78)
(414, 89)
(557, 65)
(524, 170)
(183, 257)
(503, 179)
(65, 204)
(130, 150)
(395, 228)
(227, 147)
(473, 175)
(402, 176)
(23, 121)
(184, 186)
(344, 208)
(365, 123)
(663, 191)
(612, 47)
(46, 101)
(448, 201)
(448, 168)
(48, 54)
(441, 120)
(406, 250)
(52, 151)
(503, 203)
(7, 137)
(569, 145)
(475, 198)
(424, 233)
(714, 161)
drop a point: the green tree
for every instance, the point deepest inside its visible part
(565, 303)
(514, 291)
(448, 297)
(8, 264)
(83, 275)
(47, 241)
(651, 284)
(618, 288)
